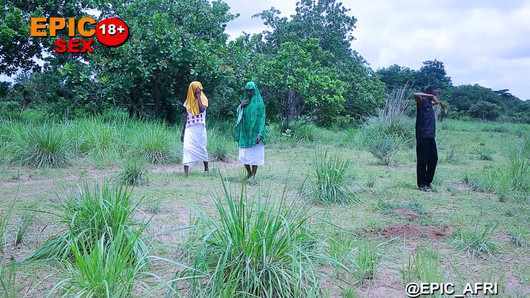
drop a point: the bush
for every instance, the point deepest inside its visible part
(304, 130)
(10, 109)
(383, 149)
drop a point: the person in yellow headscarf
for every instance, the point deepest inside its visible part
(193, 136)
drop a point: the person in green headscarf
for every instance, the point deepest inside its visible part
(249, 131)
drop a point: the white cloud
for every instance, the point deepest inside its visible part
(479, 41)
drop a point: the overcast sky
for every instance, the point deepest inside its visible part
(485, 42)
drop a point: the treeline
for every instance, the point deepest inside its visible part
(304, 65)
(465, 101)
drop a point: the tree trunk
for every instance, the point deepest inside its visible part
(157, 105)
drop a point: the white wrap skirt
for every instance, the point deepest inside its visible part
(195, 142)
(253, 156)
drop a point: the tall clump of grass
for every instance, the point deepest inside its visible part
(46, 145)
(304, 130)
(219, 144)
(256, 248)
(332, 184)
(104, 212)
(520, 236)
(23, 225)
(98, 140)
(108, 267)
(134, 173)
(511, 180)
(383, 149)
(156, 143)
(8, 279)
(392, 121)
(518, 171)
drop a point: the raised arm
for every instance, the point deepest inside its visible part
(431, 97)
(198, 96)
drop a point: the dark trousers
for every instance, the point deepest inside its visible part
(427, 158)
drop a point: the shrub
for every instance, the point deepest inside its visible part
(383, 149)
(392, 121)
(304, 130)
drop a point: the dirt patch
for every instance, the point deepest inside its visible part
(407, 213)
(431, 232)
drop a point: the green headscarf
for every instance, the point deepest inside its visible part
(250, 119)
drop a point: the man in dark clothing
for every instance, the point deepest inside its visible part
(426, 153)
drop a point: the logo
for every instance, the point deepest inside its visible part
(111, 32)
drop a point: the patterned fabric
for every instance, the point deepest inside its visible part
(195, 119)
(191, 103)
(250, 119)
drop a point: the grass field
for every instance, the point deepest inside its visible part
(357, 227)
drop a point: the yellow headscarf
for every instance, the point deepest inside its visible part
(191, 103)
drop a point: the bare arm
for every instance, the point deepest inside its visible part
(184, 127)
(431, 97)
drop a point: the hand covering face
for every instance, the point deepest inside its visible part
(250, 119)
(191, 103)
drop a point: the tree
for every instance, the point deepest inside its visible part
(432, 73)
(294, 82)
(20, 51)
(172, 43)
(328, 22)
(396, 77)
(485, 110)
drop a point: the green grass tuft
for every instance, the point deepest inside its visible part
(134, 173)
(41, 146)
(333, 181)
(476, 243)
(256, 248)
(90, 214)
